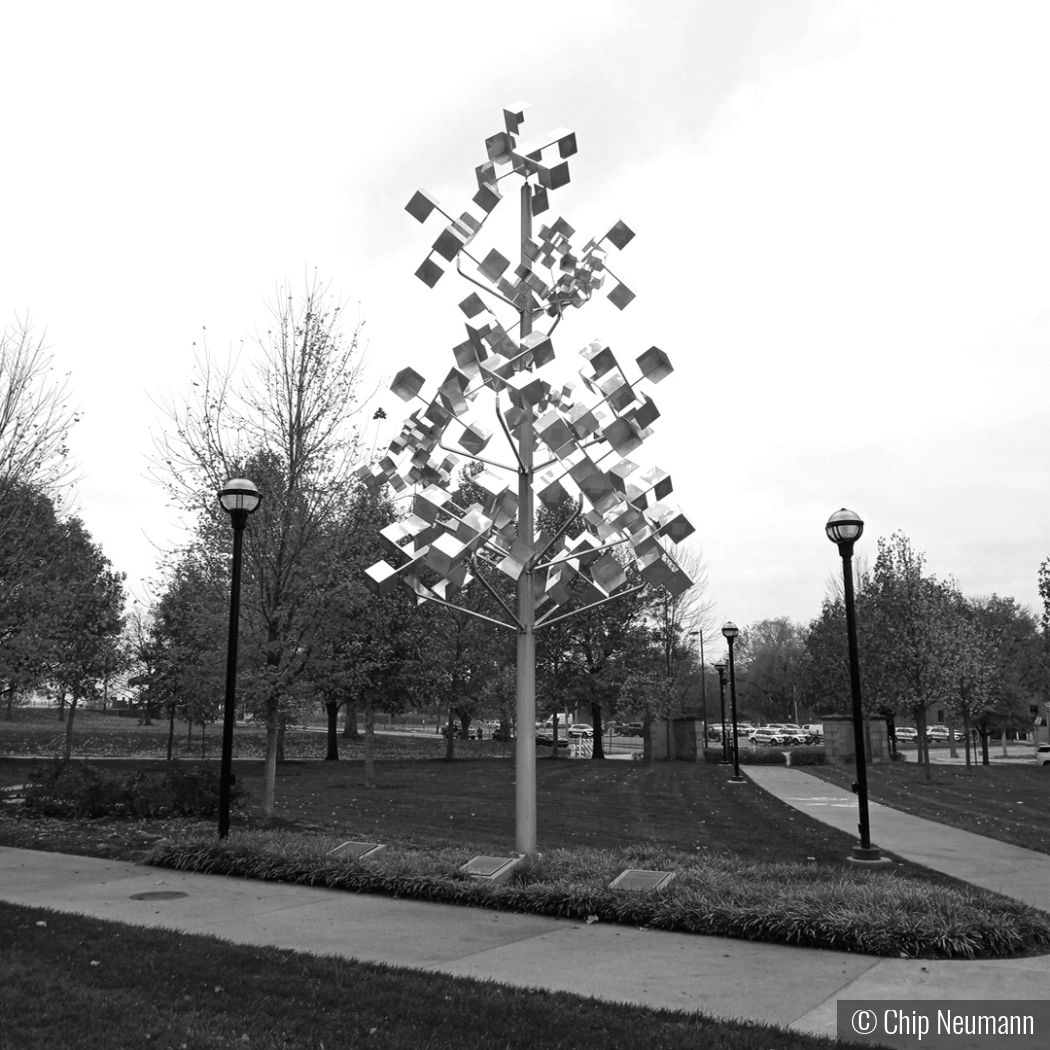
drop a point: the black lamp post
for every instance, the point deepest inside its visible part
(721, 669)
(729, 632)
(239, 498)
(844, 528)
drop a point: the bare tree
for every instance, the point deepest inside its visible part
(285, 419)
(35, 415)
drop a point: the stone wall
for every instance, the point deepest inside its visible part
(839, 742)
(688, 739)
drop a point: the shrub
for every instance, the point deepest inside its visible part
(762, 757)
(808, 756)
(76, 789)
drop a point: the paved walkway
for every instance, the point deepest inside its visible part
(791, 987)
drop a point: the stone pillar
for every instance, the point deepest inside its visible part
(838, 740)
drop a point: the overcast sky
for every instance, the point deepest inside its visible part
(843, 239)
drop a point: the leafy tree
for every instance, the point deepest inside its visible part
(360, 645)
(825, 680)
(186, 645)
(999, 670)
(907, 639)
(770, 656)
(31, 540)
(85, 622)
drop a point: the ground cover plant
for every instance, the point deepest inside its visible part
(1006, 801)
(804, 905)
(85, 984)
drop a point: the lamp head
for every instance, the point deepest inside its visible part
(844, 526)
(239, 494)
(730, 630)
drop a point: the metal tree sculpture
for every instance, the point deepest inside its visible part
(582, 432)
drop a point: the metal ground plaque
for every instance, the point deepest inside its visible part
(491, 868)
(355, 850)
(638, 879)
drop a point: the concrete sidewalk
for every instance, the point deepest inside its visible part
(792, 987)
(1014, 872)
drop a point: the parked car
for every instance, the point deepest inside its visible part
(767, 737)
(580, 729)
(631, 729)
(815, 732)
(791, 734)
(1042, 754)
(545, 738)
(907, 735)
(938, 733)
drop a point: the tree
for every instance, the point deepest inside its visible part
(359, 646)
(86, 622)
(288, 424)
(770, 666)
(186, 642)
(999, 673)
(31, 540)
(35, 416)
(906, 627)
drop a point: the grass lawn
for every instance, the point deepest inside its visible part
(1007, 801)
(430, 803)
(84, 984)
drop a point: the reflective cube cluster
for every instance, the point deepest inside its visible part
(501, 381)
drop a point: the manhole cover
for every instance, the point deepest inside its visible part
(158, 895)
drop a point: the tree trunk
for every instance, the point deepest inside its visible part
(171, 731)
(370, 745)
(924, 744)
(270, 764)
(450, 734)
(350, 730)
(672, 751)
(597, 747)
(332, 711)
(67, 747)
(9, 707)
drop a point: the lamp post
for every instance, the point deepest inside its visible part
(844, 528)
(729, 632)
(239, 498)
(721, 669)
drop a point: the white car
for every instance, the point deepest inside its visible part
(580, 729)
(789, 734)
(1042, 754)
(906, 735)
